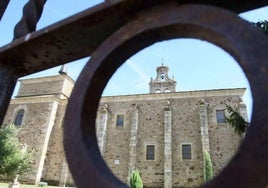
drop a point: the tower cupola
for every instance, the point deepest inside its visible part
(162, 83)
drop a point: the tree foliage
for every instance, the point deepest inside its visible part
(263, 25)
(208, 174)
(135, 180)
(236, 121)
(13, 160)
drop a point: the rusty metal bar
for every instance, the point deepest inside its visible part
(8, 81)
(9, 70)
(31, 14)
(78, 36)
(245, 43)
(3, 6)
(108, 30)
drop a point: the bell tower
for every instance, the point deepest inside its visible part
(162, 83)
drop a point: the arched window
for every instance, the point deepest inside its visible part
(167, 91)
(19, 118)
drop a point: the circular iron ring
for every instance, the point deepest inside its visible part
(239, 38)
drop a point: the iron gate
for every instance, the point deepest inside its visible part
(128, 26)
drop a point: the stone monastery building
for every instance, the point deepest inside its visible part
(163, 134)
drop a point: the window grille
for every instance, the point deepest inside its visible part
(186, 151)
(150, 152)
(120, 120)
(220, 115)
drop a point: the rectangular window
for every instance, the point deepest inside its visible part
(186, 151)
(220, 115)
(120, 120)
(150, 152)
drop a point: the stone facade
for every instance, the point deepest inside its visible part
(44, 102)
(162, 134)
(168, 121)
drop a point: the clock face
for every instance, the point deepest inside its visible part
(162, 76)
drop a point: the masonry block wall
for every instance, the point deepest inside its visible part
(44, 102)
(163, 135)
(56, 170)
(35, 130)
(185, 130)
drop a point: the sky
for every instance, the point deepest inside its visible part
(195, 64)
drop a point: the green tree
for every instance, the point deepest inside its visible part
(14, 160)
(135, 180)
(235, 120)
(208, 174)
(263, 25)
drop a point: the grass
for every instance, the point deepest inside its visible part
(5, 185)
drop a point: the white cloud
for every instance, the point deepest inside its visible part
(135, 67)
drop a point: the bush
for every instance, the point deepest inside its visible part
(42, 184)
(236, 121)
(135, 180)
(13, 160)
(263, 25)
(208, 175)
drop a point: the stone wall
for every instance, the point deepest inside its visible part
(52, 85)
(116, 149)
(151, 132)
(56, 170)
(186, 129)
(166, 120)
(44, 101)
(35, 130)
(224, 142)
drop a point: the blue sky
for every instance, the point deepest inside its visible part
(195, 64)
